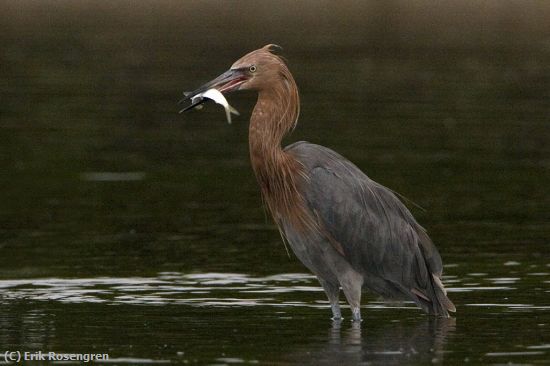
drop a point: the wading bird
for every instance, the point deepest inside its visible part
(350, 231)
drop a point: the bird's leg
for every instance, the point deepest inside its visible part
(354, 300)
(333, 292)
(356, 314)
(351, 285)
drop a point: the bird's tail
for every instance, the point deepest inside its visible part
(434, 300)
(432, 297)
(442, 304)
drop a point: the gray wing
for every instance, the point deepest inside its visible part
(378, 234)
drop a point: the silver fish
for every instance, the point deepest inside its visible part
(216, 96)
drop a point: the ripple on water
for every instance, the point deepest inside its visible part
(237, 289)
(166, 288)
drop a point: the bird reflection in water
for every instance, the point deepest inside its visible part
(393, 343)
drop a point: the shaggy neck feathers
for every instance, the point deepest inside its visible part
(278, 173)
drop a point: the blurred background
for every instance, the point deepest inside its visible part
(444, 102)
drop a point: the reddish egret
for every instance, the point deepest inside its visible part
(350, 231)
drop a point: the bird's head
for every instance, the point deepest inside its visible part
(254, 71)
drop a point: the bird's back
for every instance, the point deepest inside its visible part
(376, 233)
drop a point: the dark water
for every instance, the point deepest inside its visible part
(128, 229)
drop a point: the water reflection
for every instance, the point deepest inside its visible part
(393, 343)
(204, 289)
(237, 289)
(375, 341)
(170, 317)
(32, 327)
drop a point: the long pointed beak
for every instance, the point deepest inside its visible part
(225, 83)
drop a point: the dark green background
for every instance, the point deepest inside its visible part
(446, 102)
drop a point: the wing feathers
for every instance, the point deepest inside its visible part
(375, 232)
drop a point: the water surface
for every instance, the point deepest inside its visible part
(128, 229)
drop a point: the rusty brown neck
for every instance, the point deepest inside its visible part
(278, 173)
(275, 114)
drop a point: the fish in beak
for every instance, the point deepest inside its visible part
(214, 90)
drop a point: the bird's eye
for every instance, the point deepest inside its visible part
(252, 68)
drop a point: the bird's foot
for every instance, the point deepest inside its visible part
(356, 315)
(337, 316)
(336, 313)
